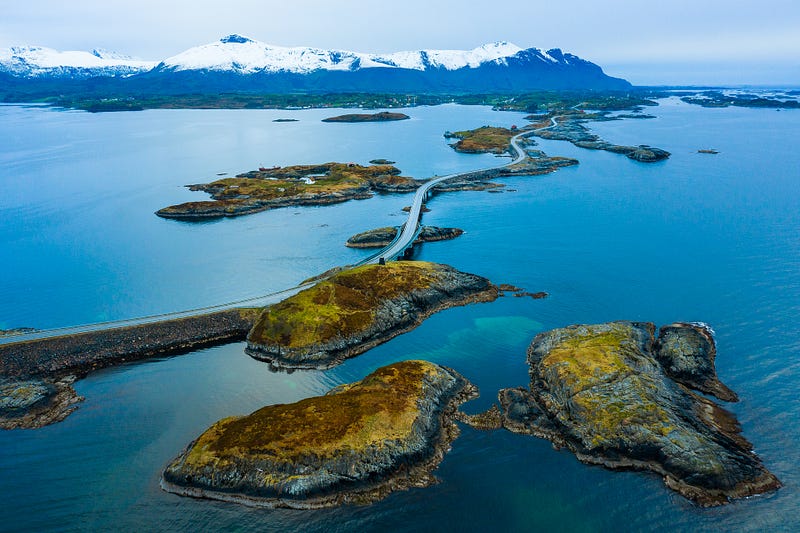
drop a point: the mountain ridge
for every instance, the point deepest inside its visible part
(237, 63)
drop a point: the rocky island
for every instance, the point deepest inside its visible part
(381, 237)
(486, 139)
(383, 116)
(568, 125)
(354, 310)
(617, 396)
(269, 188)
(356, 444)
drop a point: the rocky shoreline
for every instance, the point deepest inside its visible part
(570, 127)
(36, 375)
(617, 396)
(355, 310)
(381, 237)
(354, 445)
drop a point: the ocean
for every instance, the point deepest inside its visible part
(697, 237)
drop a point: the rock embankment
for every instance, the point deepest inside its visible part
(616, 396)
(356, 444)
(357, 309)
(381, 237)
(36, 375)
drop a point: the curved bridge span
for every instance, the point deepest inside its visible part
(397, 248)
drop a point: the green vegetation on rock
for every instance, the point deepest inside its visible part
(355, 309)
(481, 140)
(601, 391)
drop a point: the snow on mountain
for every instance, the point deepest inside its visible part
(246, 56)
(36, 61)
(236, 63)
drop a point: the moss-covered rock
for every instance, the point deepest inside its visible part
(356, 444)
(601, 392)
(357, 309)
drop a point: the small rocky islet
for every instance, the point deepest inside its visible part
(32, 403)
(356, 444)
(383, 116)
(355, 309)
(617, 396)
(381, 237)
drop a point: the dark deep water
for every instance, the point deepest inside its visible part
(712, 238)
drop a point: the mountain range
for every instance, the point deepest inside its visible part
(240, 64)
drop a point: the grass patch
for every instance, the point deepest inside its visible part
(483, 139)
(382, 407)
(339, 306)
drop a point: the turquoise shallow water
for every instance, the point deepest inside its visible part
(698, 237)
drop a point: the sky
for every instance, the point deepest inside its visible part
(648, 43)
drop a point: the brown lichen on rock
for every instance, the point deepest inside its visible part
(356, 444)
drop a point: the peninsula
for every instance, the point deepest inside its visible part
(353, 310)
(269, 188)
(617, 396)
(356, 444)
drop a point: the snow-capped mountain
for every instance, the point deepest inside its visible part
(247, 56)
(240, 64)
(33, 61)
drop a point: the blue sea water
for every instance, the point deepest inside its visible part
(697, 237)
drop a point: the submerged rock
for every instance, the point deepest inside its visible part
(602, 392)
(355, 444)
(357, 309)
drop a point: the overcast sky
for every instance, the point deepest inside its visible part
(665, 42)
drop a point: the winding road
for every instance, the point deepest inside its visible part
(395, 249)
